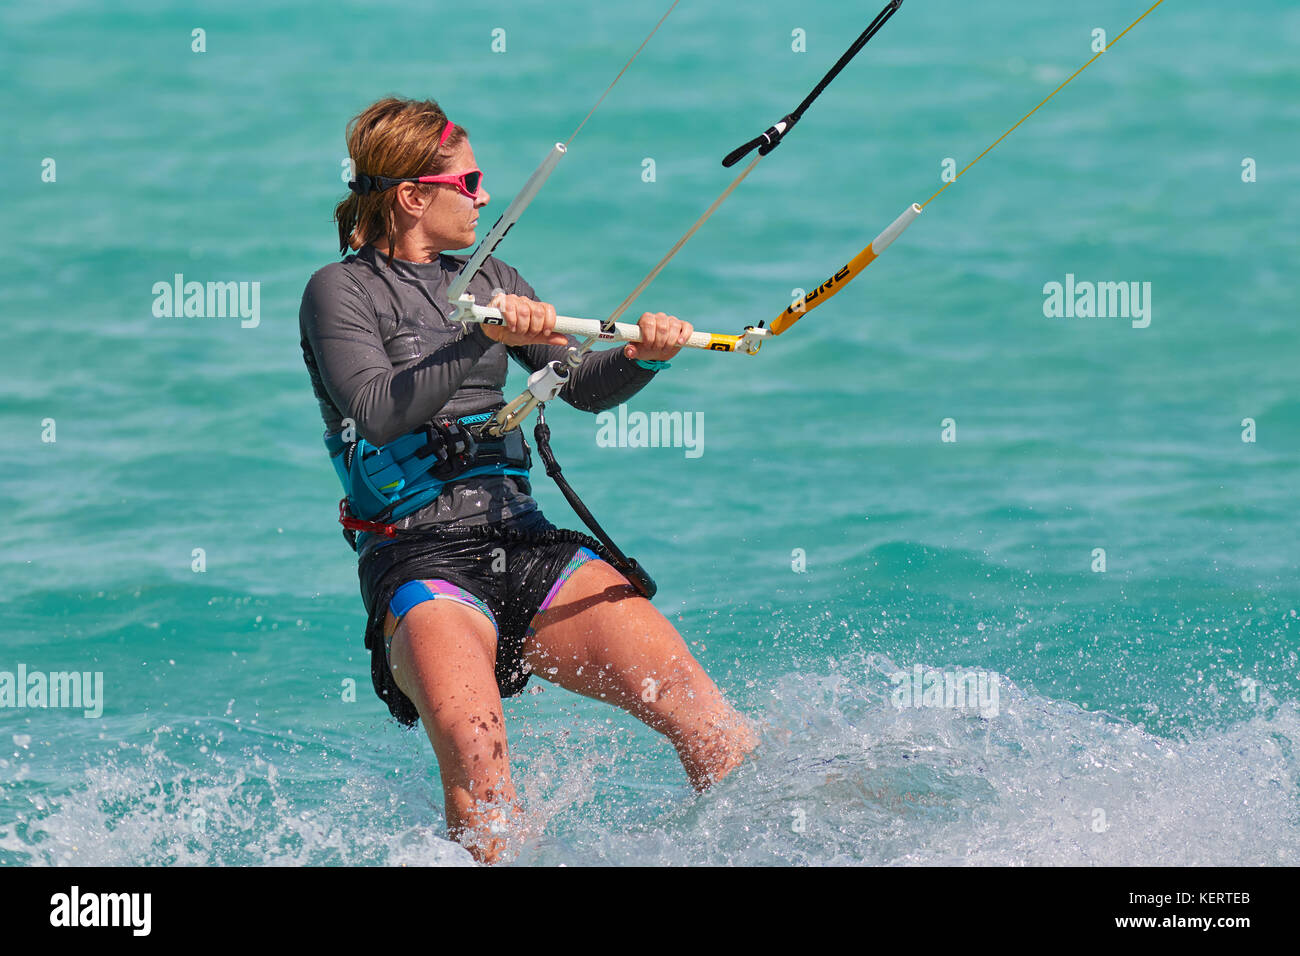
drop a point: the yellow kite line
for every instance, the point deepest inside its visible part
(843, 277)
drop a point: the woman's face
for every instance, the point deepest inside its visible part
(449, 220)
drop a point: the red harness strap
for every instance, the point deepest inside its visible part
(356, 524)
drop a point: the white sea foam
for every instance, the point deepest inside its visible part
(842, 777)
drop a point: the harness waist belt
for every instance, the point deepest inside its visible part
(388, 482)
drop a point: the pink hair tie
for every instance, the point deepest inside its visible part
(446, 131)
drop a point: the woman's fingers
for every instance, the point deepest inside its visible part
(513, 309)
(518, 312)
(684, 331)
(670, 331)
(662, 336)
(526, 321)
(548, 324)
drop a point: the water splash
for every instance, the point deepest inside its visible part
(843, 776)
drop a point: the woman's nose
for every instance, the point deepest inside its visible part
(482, 198)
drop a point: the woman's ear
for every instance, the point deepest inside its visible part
(412, 199)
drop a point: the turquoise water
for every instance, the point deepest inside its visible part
(1146, 714)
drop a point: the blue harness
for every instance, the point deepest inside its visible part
(388, 482)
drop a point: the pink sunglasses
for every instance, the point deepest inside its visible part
(468, 183)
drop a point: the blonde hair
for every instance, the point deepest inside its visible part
(397, 138)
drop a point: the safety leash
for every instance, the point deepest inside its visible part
(628, 566)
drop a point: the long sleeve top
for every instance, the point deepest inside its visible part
(382, 352)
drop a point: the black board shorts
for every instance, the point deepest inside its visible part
(514, 595)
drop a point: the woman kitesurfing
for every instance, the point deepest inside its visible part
(468, 588)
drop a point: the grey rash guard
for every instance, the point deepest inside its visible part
(381, 350)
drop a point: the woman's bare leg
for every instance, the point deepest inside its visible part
(442, 657)
(604, 640)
